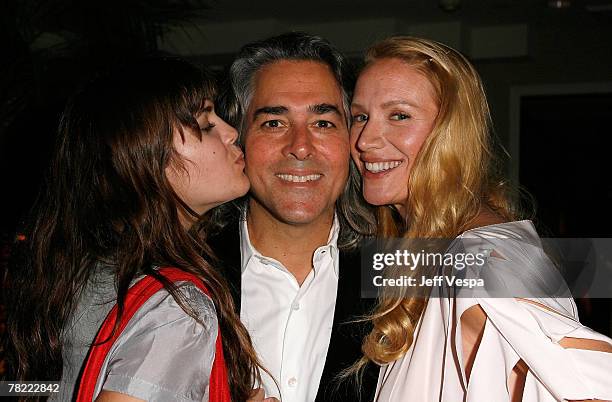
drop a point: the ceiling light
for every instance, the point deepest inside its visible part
(559, 3)
(449, 5)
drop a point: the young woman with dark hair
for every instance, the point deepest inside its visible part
(141, 158)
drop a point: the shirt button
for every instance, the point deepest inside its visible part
(295, 306)
(292, 382)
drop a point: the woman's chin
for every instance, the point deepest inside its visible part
(244, 186)
(376, 200)
(240, 189)
(379, 200)
(236, 190)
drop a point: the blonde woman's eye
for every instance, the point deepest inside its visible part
(360, 118)
(399, 116)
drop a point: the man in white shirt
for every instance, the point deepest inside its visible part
(297, 279)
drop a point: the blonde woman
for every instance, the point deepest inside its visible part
(420, 137)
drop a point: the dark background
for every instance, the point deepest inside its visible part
(547, 71)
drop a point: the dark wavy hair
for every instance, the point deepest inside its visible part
(107, 199)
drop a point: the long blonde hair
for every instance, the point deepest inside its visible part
(454, 175)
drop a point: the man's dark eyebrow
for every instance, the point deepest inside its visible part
(276, 110)
(323, 108)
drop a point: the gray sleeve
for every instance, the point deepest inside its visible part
(164, 354)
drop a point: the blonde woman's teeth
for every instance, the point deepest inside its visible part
(378, 167)
(298, 179)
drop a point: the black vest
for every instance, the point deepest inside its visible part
(346, 337)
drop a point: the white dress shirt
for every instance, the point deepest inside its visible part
(290, 324)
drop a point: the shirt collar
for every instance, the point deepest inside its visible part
(248, 251)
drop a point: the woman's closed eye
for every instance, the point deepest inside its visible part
(208, 127)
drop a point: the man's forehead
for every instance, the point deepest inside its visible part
(295, 84)
(289, 67)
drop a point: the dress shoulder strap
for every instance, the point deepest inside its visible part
(136, 296)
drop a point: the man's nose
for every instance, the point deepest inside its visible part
(300, 143)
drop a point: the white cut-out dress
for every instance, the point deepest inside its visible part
(515, 329)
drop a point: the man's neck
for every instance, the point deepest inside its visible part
(293, 245)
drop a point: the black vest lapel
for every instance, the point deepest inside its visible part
(226, 247)
(346, 337)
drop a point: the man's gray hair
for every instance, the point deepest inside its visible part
(356, 218)
(289, 46)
